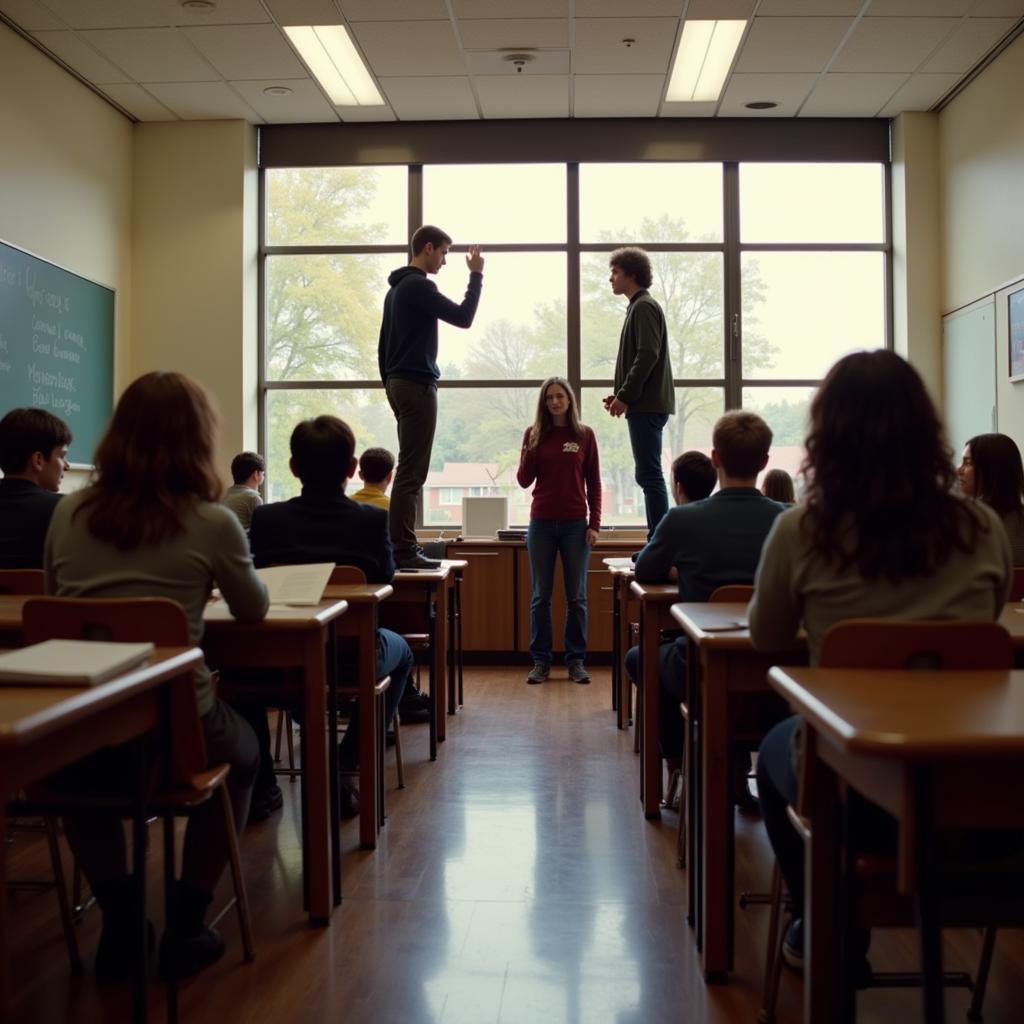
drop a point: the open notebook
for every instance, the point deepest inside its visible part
(296, 584)
(70, 662)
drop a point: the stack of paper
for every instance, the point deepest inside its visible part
(296, 584)
(70, 662)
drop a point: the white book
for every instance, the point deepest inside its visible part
(70, 662)
(296, 584)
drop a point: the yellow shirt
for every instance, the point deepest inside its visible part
(370, 495)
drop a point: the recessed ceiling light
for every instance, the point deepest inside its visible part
(333, 59)
(199, 5)
(277, 90)
(703, 58)
(761, 105)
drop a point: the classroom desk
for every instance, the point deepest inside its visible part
(731, 671)
(364, 600)
(934, 748)
(455, 651)
(621, 571)
(298, 638)
(655, 615)
(42, 729)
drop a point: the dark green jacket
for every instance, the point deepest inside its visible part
(643, 370)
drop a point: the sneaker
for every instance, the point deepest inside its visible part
(577, 673)
(539, 673)
(793, 945)
(181, 956)
(418, 560)
(414, 707)
(265, 803)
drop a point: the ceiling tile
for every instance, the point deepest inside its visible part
(247, 51)
(719, 9)
(791, 44)
(152, 54)
(617, 95)
(920, 8)
(410, 47)
(637, 8)
(922, 92)
(139, 102)
(500, 8)
(154, 13)
(78, 54)
(851, 95)
(892, 44)
(430, 99)
(522, 33)
(968, 44)
(306, 103)
(999, 9)
(196, 101)
(808, 8)
(686, 110)
(30, 16)
(357, 114)
(304, 12)
(524, 96)
(788, 91)
(395, 10)
(599, 48)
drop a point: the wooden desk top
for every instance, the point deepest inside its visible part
(660, 592)
(910, 714)
(620, 566)
(424, 575)
(722, 624)
(278, 616)
(31, 713)
(358, 593)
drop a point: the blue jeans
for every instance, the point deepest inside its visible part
(545, 539)
(672, 676)
(777, 787)
(645, 430)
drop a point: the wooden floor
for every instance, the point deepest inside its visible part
(516, 882)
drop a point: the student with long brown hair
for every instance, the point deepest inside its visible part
(150, 525)
(880, 534)
(559, 456)
(991, 470)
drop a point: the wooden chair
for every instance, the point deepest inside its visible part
(22, 581)
(189, 780)
(887, 643)
(1017, 586)
(732, 593)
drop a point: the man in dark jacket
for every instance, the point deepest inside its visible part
(407, 354)
(33, 457)
(643, 376)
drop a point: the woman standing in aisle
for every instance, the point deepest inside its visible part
(560, 456)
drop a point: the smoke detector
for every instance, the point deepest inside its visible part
(518, 60)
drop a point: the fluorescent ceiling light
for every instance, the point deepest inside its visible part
(703, 58)
(330, 54)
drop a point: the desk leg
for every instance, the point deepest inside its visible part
(616, 650)
(435, 674)
(452, 649)
(139, 841)
(5, 976)
(458, 634)
(332, 761)
(692, 753)
(925, 903)
(314, 781)
(441, 659)
(367, 630)
(717, 826)
(650, 756)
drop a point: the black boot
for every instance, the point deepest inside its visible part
(188, 945)
(115, 954)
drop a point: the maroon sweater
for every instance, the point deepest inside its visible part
(567, 472)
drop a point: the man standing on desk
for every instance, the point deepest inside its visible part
(407, 354)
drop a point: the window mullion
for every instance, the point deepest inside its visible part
(732, 292)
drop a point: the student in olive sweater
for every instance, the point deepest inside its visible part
(643, 376)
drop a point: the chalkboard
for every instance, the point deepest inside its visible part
(969, 365)
(56, 346)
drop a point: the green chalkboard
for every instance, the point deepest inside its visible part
(56, 346)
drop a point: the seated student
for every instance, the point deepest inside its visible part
(880, 535)
(376, 469)
(778, 485)
(991, 471)
(150, 525)
(247, 471)
(33, 457)
(709, 543)
(324, 525)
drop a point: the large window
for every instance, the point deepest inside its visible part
(767, 273)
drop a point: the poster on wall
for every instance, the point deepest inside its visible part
(1015, 318)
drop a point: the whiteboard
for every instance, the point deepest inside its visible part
(969, 372)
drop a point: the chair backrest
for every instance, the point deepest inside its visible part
(731, 593)
(1017, 587)
(22, 581)
(347, 574)
(128, 620)
(890, 643)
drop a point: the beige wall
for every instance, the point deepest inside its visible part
(66, 176)
(917, 326)
(194, 245)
